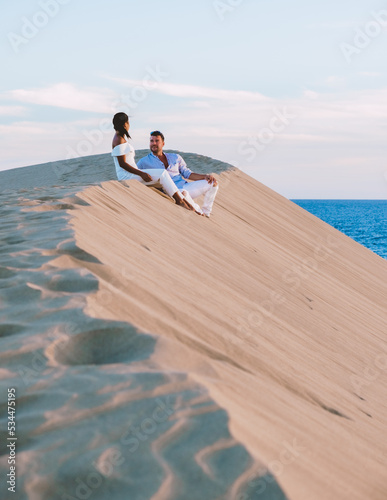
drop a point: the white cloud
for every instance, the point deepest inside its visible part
(31, 128)
(369, 74)
(335, 81)
(311, 94)
(200, 104)
(12, 110)
(66, 95)
(196, 92)
(339, 25)
(327, 135)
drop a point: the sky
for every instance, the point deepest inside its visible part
(292, 93)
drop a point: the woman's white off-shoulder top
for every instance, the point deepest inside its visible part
(124, 149)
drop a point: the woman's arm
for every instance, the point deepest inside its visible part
(133, 170)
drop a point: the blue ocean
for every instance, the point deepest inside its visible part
(365, 221)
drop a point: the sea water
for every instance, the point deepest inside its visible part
(365, 221)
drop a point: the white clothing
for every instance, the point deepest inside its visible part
(158, 175)
(124, 149)
(179, 172)
(188, 198)
(177, 167)
(197, 188)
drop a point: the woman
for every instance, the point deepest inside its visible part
(123, 154)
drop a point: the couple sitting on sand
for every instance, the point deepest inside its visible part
(168, 169)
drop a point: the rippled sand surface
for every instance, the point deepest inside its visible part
(160, 355)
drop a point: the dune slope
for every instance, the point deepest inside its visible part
(281, 317)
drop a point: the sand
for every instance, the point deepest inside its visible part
(269, 314)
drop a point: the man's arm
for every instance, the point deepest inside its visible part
(208, 177)
(188, 174)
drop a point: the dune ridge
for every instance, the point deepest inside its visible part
(278, 315)
(86, 170)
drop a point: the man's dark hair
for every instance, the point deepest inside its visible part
(157, 133)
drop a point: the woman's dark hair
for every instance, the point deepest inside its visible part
(119, 120)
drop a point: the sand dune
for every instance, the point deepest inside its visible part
(281, 318)
(166, 356)
(97, 417)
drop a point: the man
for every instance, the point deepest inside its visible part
(176, 167)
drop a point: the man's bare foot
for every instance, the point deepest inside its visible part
(182, 202)
(191, 203)
(187, 205)
(190, 207)
(193, 208)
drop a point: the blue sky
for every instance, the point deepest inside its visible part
(293, 93)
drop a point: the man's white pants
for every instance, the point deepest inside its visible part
(158, 176)
(197, 188)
